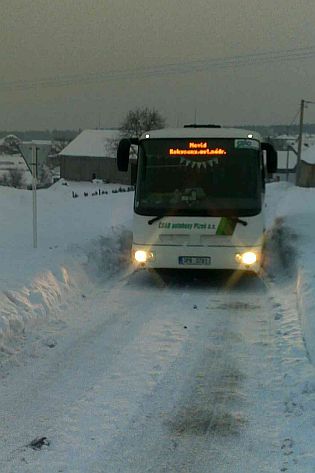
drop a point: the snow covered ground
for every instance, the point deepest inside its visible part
(73, 233)
(97, 361)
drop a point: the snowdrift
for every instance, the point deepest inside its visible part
(81, 241)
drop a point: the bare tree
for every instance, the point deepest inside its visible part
(12, 144)
(16, 178)
(137, 122)
(140, 120)
(45, 175)
(5, 180)
(59, 144)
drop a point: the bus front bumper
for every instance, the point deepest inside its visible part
(190, 257)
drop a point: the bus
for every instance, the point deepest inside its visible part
(199, 197)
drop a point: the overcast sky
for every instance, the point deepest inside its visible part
(81, 63)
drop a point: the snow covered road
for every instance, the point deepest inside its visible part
(168, 372)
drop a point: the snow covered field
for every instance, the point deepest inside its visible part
(93, 358)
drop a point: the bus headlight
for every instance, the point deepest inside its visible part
(142, 256)
(248, 258)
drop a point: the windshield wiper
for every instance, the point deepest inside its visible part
(238, 220)
(155, 219)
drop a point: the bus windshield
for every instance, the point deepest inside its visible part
(208, 176)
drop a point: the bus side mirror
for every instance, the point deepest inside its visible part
(123, 154)
(272, 157)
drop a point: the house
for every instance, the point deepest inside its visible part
(286, 170)
(281, 142)
(10, 164)
(92, 155)
(306, 174)
(287, 147)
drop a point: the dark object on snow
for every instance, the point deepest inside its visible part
(185, 326)
(38, 443)
(51, 343)
(86, 194)
(195, 307)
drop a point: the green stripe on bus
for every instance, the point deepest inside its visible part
(226, 226)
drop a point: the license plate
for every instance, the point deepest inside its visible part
(195, 260)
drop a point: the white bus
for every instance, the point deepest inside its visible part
(199, 197)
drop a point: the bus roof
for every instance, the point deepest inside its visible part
(201, 133)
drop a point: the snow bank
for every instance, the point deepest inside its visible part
(81, 241)
(306, 306)
(51, 290)
(42, 298)
(292, 231)
(109, 253)
(308, 155)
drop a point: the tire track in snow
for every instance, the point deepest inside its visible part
(86, 388)
(141, 392)
(199, 418)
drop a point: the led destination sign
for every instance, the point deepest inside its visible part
(197, 149)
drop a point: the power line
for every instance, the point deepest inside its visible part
(294, 118)
(260, 58)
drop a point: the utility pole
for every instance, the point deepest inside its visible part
(288, 154)
(298, 165)
(299, 153)
(34, 185)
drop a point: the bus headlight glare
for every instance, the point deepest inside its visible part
(248, 258)
(140, 256)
